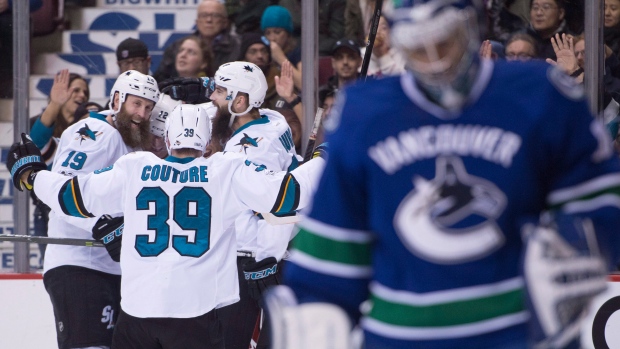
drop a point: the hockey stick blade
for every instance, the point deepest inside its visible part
(50, 240)
(315, 129)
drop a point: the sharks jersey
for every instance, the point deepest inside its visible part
(88, 145)
(420, 208)
(267, 141)
(177, 261)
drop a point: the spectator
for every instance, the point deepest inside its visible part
(194, 59)
(346, 61)
(213, 27)
(248, 14)
(84, 109)
(6, 44)
(502, 21)
(521, 47)
(331, 21)
(546, 20)
(255, 49)
(132, 54)
(68, 92)
(612, 25)
(384, 60)
(358, 18)
(277, 25)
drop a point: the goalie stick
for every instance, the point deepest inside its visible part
(312, 138)
(50, 240)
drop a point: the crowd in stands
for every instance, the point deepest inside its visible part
(268, 34)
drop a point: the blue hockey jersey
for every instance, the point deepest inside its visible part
(418, 214)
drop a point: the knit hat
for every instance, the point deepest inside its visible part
(130, 48)
(249, 39)
(276, 16)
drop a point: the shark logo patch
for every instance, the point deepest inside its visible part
(86, 133)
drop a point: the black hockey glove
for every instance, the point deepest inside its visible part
(110, 231)
(321, 151)
(261, 275)
(22, 157)
(188, 90)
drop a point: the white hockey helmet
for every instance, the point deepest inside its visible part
(242, 77)
(187, 126)
(160, 112)
(133, 82)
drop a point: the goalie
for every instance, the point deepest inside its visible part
(421, 227)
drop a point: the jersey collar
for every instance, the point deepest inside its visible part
(171, 158)
(262, 120)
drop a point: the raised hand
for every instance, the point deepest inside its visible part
(23, 159)
(284, 83)
(486, 49)
(565, 53)
(60, 92)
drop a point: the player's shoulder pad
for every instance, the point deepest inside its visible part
(565, 84)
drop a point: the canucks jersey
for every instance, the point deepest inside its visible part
(176, 258)
(88, 145)
(268, 142)
(421, 208)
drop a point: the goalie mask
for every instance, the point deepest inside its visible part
(440, 40)
(187, 127)
(133, 82)
(242, 77)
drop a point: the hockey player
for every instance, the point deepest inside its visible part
(84, 283)
(430, 179)
(178, 259)
(264, 136)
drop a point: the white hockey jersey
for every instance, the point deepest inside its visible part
(176, 258)
(88, 145)
(267, 141)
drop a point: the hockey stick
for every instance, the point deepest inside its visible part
(376, 16)
(312, 138)
(257, 328)
(50, 240)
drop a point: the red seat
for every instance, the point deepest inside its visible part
(325, 69)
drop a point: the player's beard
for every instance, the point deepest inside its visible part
(140, 138)
(220, 133)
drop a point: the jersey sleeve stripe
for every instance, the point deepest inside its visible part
(608, 200)
(288, 196)
(344, 252)
(345, 271)
(589, 189)
(447, 314)
(335, 233)
(70, 199)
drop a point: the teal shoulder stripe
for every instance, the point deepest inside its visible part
(294, 164)
(95, 115)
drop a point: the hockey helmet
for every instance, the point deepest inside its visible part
(160, 112)
(438, 38)
(133, 82)
(242, 77)
(187, 126)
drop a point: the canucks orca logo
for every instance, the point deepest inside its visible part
(451, 218)
(247, 142)
(86, 133)
(248, 68)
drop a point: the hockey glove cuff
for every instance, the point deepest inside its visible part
(261, 275)
(189, 90)
(321, 151)
(109, 230)
(24, 156)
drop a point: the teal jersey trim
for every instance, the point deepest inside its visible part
(263, 120)
(171, 158)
